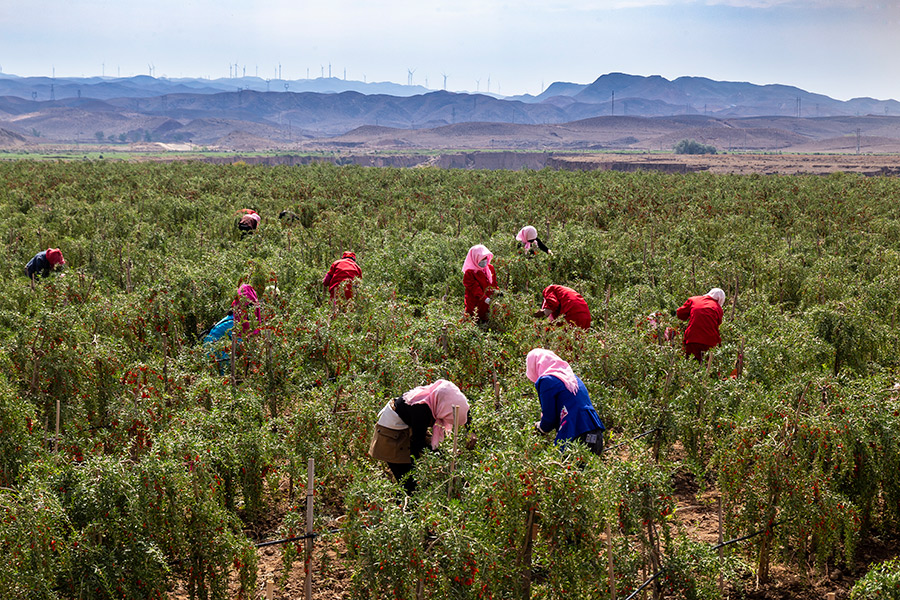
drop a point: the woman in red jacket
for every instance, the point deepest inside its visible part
(562, 301)
(480, 281)
(344, 269)
(704, 315)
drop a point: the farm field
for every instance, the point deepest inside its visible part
(166, 473)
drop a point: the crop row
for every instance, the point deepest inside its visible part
(164, 468)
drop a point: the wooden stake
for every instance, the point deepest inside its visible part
(56, 443)
(734, 299)
(455, 445)
(496, 389)
(523, 560)
(606, 307)
(609, 555)
(165, 345)
(310, 483)
(233, 358)
(270, 589)
(721, 549)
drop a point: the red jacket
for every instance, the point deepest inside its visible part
(566, 301)
(478, 290)
(704, 315)
(342, 270)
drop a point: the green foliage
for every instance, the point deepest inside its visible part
(163, 464)
(693, 147)
(881, 582)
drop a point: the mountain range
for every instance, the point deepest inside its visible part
(240, 111)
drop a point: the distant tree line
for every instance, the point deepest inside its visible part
(693, 147)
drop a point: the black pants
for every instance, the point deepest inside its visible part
(593, 440)
(399, 470)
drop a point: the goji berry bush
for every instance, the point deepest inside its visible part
(168, 463)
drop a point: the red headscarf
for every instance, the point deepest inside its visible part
(54, 255)
(440, 397)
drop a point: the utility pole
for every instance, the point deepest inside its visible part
(612, 108)
(857, 140)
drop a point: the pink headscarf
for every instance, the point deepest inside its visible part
(527, 235)
(540, 362)
(476, 255)
(440, 397)
(246, 297)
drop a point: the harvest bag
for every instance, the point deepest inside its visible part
(391, 441)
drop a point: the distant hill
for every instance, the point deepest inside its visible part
(144, 86)
(240, 113)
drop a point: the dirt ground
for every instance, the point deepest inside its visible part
(742, 164)
(696, 514)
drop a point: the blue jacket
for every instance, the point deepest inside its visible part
(570, 414)
(39, 265)
(218, 331)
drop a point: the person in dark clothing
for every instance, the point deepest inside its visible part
(287, 216)
(704, 316)
(565, 404)
(531, 243)
(43, 262)
(401, 433)
(248, 222)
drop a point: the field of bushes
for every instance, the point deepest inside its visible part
(165, 471)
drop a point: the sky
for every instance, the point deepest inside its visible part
(840, 48)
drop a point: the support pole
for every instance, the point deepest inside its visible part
(310, 484)
(233, 358)
(56, 442)
(496, 388)
(721, 548)
(609, 555)
(455, 446)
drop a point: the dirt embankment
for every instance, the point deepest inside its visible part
(742, 164)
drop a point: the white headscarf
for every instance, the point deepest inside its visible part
(718, 295)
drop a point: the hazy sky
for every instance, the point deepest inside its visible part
(842, 48)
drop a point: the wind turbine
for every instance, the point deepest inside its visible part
(409, 76)
(477, 85)
(445, 80)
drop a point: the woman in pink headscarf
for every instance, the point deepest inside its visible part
(480, 281)
(531, 243)
(565, 404)
(401, 433)
(246, 299)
